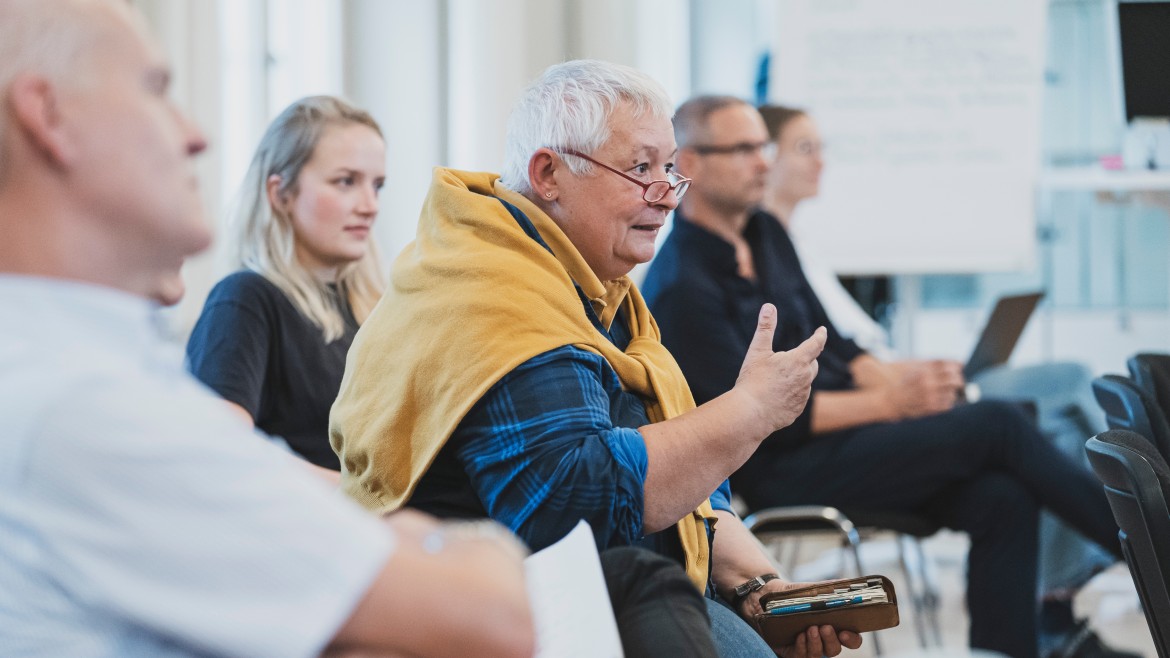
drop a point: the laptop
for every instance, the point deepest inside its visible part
(1002, 332)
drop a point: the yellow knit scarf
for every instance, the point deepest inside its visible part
(472, 298)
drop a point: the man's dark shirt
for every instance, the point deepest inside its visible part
(708, 313)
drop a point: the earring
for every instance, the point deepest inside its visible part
(548, 194)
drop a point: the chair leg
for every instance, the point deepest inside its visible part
(924, 596)
(930, 593)
(852, 538)
(916, 598)
(790, 550)
(855, 549)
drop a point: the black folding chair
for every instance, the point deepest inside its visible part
(1151, 372)
(1128, 407)
(1137, 483)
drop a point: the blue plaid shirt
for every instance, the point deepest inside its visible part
(553, 442)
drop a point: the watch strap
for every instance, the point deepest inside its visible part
(755, 584)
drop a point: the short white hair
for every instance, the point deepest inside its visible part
(569, 107)
(47, 37)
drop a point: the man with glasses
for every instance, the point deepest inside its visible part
(512, 370)
(874, 436)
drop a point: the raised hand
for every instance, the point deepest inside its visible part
(778, 383)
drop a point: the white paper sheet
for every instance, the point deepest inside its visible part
(569, 600)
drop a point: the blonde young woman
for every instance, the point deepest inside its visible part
(273, 336)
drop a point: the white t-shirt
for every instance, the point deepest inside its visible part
(847, 316)
(138, 515)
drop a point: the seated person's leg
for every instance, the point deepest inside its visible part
(1058, 482)
(851, 469)
(659, 612)
(1000, 517)
(855, 469)
(1069, 415)
(1060, 391)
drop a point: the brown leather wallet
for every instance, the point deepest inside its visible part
(782, 630)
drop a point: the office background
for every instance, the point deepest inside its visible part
(440, 76)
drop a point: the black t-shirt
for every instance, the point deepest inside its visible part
(254, 348)
(708, 313)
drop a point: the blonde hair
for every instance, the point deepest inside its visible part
(266, 240)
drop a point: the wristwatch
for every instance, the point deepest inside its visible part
(741, 591)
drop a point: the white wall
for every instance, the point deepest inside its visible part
(408, 101)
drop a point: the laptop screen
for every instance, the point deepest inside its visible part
(1002, 332)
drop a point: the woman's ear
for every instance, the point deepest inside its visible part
(276, 198)
(542, 174)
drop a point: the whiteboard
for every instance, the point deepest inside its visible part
(930, 111)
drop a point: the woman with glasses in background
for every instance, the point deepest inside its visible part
(1060, 391)
(273, 337)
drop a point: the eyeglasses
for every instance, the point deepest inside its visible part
(652, 192)
(742, 149)
(809, 147)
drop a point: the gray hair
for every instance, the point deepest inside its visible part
(568, 107)
(690, 119)
(49, 38)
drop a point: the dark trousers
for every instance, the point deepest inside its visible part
(983, 469)
(659, 612)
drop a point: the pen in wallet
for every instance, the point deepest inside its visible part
(814, 605)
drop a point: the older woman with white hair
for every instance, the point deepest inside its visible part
(513, 371)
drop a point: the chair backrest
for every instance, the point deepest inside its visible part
(1128, 407)
(1152, 373)
(1137, 483)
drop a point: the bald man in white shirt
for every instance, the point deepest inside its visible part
(138, 516)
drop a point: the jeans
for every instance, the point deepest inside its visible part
(733, 636)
